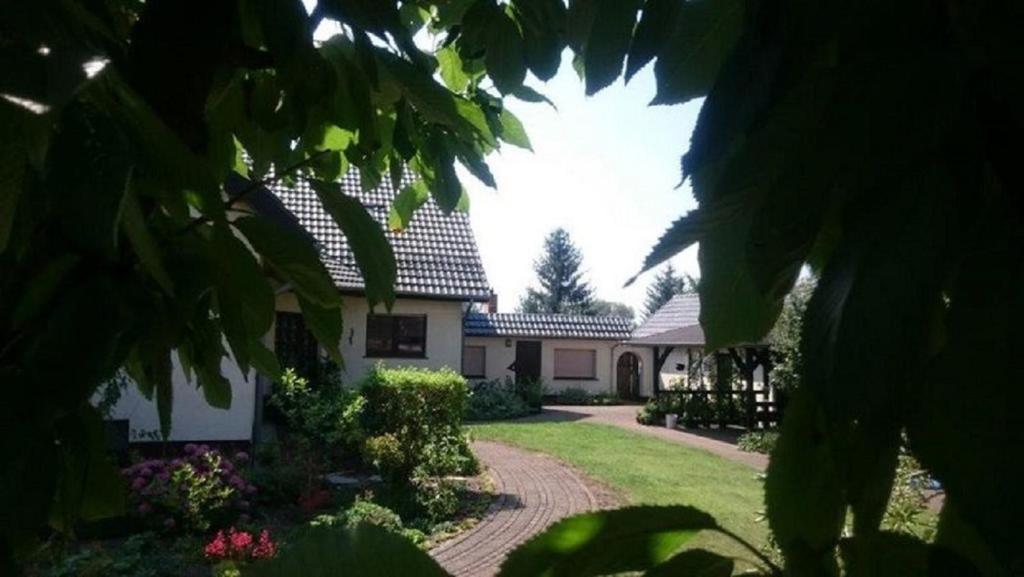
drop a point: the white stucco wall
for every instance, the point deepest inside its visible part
(444, 333)
(195, 420)
(670, 374)
(192, 418)
(500, 357)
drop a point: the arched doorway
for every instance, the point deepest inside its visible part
(627, 376)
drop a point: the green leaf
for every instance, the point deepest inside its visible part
(871, 469)
(885, 555)
(694, 563)
(527, 94)
(86, 209)
(265, 361)
(966, 414)
(435, 103)
(137, 231)
(217, 392)
(438, 172)
(656, 22)
(608, 42)
(326, 324)
(451, 69)
(607, 542)
(245, 300)
(12, 174)
(542, 23)
(579, 19)
(804, 490)
(42, 286)
(504, 58)
(882, 289)
(512, 130)
(406, 202)
(700, 39)
(367, 551)
(291, 252)
(90, 487)
(352, 107)
(366, 237)
(165, 398)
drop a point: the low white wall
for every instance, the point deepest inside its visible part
(192, 418)
(499, 357)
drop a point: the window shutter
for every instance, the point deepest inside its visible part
(575, 364)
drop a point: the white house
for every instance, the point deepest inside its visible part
(439, 276)
(432, 324)
(564, 351)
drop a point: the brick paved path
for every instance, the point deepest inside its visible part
(533, 492)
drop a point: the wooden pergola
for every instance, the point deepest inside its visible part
(746, 358)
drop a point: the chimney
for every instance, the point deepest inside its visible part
(492, 304)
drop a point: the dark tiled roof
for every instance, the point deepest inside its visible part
(546, 326)
(677, 322)
(436, 255)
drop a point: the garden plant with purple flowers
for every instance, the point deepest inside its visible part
(191, 492)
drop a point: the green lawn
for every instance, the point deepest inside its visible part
(646, 470)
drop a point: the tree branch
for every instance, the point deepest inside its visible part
(254, 186)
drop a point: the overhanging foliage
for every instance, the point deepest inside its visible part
(876, 141)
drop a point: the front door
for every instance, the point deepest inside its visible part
(627, 376)
(527, 365)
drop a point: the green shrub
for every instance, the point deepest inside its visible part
(757, 441)
(496, 399)
(190, 492)
(364, 511)
(385, 452)
(574, 396)
(530, 391)
(436, 499)
(141, 555)
(281, 477)
(419, 413)
(695, 410)
(326, 415)
(650, 413)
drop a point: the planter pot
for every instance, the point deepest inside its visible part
(671, 421)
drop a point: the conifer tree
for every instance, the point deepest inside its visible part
(666, 285)
(562, 287)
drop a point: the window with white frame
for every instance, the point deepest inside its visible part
(575, 364)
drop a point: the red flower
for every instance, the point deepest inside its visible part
(241, 541)
(239, 545)
(218, 548)
(265, 548)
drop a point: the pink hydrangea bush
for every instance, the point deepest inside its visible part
(190, 492)
(234, 545)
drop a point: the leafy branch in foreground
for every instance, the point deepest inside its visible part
(874, 141)
(645, 540)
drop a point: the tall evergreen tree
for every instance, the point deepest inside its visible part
(666, 285)
(562, 288)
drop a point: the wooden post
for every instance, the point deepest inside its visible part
(751, 393)
(659, 362)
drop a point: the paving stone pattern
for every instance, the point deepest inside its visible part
(533, 492)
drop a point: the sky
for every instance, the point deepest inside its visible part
(603, 167)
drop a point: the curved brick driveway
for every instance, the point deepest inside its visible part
(533, 492)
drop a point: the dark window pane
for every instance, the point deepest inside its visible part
(295, 346)
(412, 335)
(396, 336)
(378, 335)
